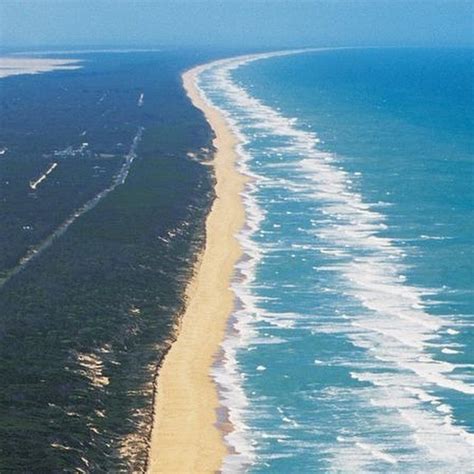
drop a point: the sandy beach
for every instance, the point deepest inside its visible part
(185, 437)
(12, 66)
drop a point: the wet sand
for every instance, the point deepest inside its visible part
(185, 437)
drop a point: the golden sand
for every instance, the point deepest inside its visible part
(185, 437)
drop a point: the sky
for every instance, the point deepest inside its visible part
(235, 23)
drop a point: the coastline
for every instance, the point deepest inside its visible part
(185, 436)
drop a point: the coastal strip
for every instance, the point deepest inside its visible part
(185, 437)
(13, 66)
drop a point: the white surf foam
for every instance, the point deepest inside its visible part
(395, 327)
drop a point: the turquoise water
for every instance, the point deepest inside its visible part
(350, 348)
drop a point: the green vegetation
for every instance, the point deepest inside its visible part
(84, 326)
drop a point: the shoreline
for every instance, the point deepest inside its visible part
(185, 434)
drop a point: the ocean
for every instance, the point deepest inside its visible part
(350, 346)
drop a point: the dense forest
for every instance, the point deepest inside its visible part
(85, 324)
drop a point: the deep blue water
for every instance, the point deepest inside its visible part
(351, 343)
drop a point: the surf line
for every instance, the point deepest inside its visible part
(186, 434)
(359, 235)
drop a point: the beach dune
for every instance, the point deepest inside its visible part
(185, 437)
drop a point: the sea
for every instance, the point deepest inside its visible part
(350, 345)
